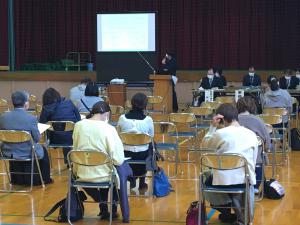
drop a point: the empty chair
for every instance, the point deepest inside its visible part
(166, 139)
(3, 106)
(116, 112)
(155, 105)
(225, 99)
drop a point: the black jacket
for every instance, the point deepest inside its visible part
(247, 80)
(293, 83)
(216, 82)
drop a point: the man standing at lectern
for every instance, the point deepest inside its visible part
(169, 67)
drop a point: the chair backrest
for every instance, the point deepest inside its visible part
(3, 105)
(15, 136)
(155, 100)
(89, 158)
(271, 119)
(275, 111)
(61, 125)
(38, 109)
(116, 112)
(214, 105)
(201, 111)
(135, 139)
(32, 101)
(213, 162)
(225, 99)
(163, 131)
(182, 117)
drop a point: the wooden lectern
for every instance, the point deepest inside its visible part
(117, 94)
(163, 88)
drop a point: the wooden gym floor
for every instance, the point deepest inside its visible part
(30, 208)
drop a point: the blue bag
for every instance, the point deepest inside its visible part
(161, 185)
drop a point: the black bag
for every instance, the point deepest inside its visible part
(295, 139)
(76, 210)
(153, 157)
(273, 189)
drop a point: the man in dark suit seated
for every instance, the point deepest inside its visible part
(251, 79)
(19, 119)
(211, 81)
(288, 81)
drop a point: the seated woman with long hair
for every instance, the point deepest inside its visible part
(94, 133)
(135, 121)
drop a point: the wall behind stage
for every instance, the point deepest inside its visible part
(3, 33)
(227, 33)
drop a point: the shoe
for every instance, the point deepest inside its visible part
(143, 186)
(106, 215)
(227, 218)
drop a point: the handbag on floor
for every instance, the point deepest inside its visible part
(192, 214)
(76, 209)
(161, 184)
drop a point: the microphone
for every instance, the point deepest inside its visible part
(147, 62)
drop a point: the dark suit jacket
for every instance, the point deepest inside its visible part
(293, 83)
(247, 80)
(19, 119)
(216, 82)
(63, 110)
(170, 67)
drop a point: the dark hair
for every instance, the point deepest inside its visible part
(19, 98)
(273, 82)
(51, 96)
(99, 108)
(219, 70)
(91, 89)
(171, 53)
(229, 112)
(139, 101)
(246, 103)
(288, 71)
(297, 69)
(85, 80)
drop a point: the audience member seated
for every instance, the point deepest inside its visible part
(91, 96)
(276, 97)
(288, 81)
(77, 92)
(218, 72)
(251, 79)
(56, 108)
(94, 133)
(135, 121)
(246, 108)
(19, 119)
(232, 138)
(297, 74)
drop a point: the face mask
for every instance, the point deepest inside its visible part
(217, 74)
(287, 77)
(251, 74)
(210, 76)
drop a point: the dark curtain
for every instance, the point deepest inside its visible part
(3, 33)
(229, 33)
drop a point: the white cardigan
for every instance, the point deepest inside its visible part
(233, 139)
(144, 126)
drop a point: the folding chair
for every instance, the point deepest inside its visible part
(215, 163)
(14, 137)
(133, 139)
(271, 120)
(116, 112)
(187, 129)
(32, 102)
(159, 117)
(284, 113)
(166, 141)
(214, 105)
(58, 126)
(155, 102)
(80, 160)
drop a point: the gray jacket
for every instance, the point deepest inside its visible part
(277, 99)
(19, 119)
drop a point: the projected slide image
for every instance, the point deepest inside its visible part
(126, 32)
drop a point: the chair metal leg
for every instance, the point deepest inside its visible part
(69, 198)
(39, 171)
(111, 202)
